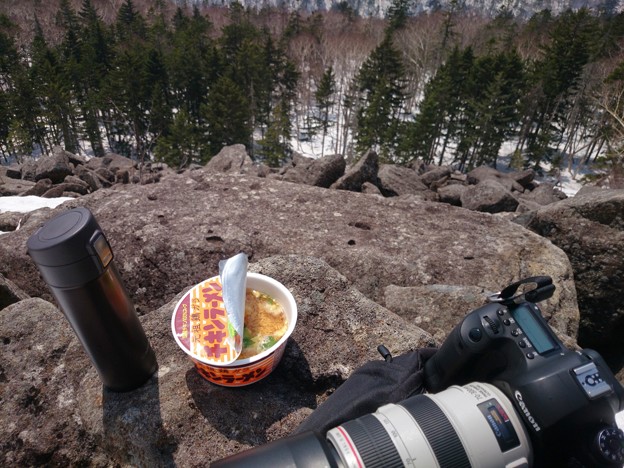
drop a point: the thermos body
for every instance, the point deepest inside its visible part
(76, 261)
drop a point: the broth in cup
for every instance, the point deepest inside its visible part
(265, 323)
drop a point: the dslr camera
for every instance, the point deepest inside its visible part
(502, 391)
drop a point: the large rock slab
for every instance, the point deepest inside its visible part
(10, 186)
(590, 229)
(365, 170)
(437, 308)
(169, 235)
(320, 172)
(55, 412)
(55, 166)
(10, 293)
(489, 196)
(232, 159)
(399, 180)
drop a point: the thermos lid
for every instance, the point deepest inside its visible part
(71, 238)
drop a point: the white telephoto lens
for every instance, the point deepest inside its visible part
(462, 427)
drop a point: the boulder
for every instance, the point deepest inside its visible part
(29, 169)
(321, 172)
(524, 178)
(231, 159)
(365, 170)
(451, 194)
(483, 173)
(169, 235)
(55, 412)
(10, 221)
(437, 308)
(544, 194)
(434, 175)
(371, 189)
(93, 180)
(14, 171)
(55, 192)
(40, 187)
(11, 187)
(10, 293)
(76, 184)
(399, 180)
(590, 230)
(111, 161)
(77, 159)
(55, 166)
(488, 196)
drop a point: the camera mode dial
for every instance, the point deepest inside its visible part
(609, 444)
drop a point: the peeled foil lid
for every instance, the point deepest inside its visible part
(208, 321)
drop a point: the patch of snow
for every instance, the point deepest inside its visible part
(29, 203)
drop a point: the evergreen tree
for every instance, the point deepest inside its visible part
(441, 112)
(189, 64)
(572, 44)
(275, 146)
(183, 144)
(397, 15)
(9, 63)
(491, 113)
(228, 116)
(380, 82)
(325, 101)
(130, 25)
(54, 94)
(95, 63)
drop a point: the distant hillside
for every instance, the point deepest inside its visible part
(519, 8)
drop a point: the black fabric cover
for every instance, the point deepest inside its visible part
(375, 384)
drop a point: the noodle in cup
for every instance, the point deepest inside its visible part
(241, 371)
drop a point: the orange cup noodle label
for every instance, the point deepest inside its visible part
(242, 375)
(202, 327)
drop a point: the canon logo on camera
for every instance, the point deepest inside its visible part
(526, 411)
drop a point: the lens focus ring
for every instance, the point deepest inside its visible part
(439, 432)
(373, 443)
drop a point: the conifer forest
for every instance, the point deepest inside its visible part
(160, 82)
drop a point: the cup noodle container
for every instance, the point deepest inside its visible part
(194, 326)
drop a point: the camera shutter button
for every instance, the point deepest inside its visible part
(475, 334)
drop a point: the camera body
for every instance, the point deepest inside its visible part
(567, 399)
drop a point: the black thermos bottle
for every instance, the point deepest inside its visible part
(76, 262)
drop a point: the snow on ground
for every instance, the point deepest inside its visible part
(29, 203)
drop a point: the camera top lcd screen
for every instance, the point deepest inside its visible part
(533, 329)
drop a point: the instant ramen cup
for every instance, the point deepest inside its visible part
(188, 327)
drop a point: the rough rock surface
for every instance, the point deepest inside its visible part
(168, 235)
(54, 411)
(10, 293)
(544, 194)
(54, 167)
(365, 170)
(435, 175)
(483, 173)
(437, 308)
(488, 196)
(398, 180)
(590, 229)
(451, 194)
(10, 186)
(321, 172)
(231, 159)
